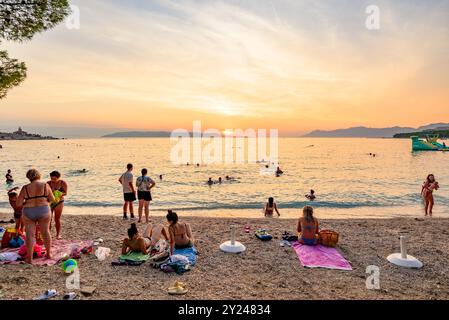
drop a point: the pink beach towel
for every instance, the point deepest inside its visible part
(60, 248)
(320, 257)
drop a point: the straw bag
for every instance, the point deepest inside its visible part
(328, 238)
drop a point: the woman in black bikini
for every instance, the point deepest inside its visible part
(180, 233)
(58, 185)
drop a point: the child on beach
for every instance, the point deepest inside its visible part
(427, 193)
(270, 207)
(12, 195)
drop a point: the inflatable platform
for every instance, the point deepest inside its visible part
(430, 143)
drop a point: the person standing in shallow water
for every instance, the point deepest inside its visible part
(9, 178)
(129, 193)
(427, 193)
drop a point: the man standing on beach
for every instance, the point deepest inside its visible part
(129, 193)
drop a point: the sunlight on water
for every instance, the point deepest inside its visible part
(346, 179)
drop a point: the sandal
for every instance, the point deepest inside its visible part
(178, 289)
(48, 294)
(69, 296)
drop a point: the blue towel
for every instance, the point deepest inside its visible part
(190, 253)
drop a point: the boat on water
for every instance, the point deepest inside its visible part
(430, 143)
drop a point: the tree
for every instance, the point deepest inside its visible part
(12, 73)
(20, 20)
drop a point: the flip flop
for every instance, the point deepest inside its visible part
(247, 229)
(69, 296)
(178, 289)
(48, 294)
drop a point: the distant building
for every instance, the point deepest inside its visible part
(20, 132)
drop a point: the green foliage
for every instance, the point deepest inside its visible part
(20, 20)
(423, 134)
(12, 73)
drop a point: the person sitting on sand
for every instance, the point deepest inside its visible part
(156, 232)
(270, 207)
(308, 227)
(135, 242)
(12, 195)
(36, 198)
(427, 193)
(180, 233)
(311, 196)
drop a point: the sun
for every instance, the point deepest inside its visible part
(228, 132)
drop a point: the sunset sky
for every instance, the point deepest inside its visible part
(296, 65)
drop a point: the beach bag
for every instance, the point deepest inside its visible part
(9, 234)
(287, 236)
(16, 242)
(328, 238)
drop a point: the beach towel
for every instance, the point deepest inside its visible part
(59, 250)
(132, 258)
(189, 253)
(320, 257)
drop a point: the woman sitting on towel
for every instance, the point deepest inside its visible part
(135, 242)
(180, 233)
(308, 227)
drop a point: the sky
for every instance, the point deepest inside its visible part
(292, 65)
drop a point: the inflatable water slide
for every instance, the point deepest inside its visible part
(429, 144)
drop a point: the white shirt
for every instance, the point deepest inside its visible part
(127, 178)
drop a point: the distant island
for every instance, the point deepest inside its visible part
(139, 134)
(23, 135)
(365, 132)
(443, 133)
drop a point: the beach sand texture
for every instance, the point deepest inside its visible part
(264, 271)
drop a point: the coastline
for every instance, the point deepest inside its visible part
(264, 271)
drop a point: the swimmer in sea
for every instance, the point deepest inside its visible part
(160, 176)
(210, 182)
(279, 171)
(220, 180)
(9, 178)
(311, 196)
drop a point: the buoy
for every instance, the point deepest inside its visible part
(403, 259)
(232, 246)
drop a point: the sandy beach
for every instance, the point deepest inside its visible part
(264, 271)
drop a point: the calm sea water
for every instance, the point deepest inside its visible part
(345, 178)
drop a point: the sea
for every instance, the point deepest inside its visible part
(347, 180)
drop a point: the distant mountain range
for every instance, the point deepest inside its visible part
(365, 132)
